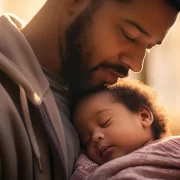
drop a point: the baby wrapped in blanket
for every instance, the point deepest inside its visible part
(124, 133)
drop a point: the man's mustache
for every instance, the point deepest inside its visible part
(118, 68)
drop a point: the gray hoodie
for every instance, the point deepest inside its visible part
(32, 139)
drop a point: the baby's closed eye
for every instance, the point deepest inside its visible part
(106, 123)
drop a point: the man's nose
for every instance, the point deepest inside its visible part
(136, 60)
(137, 66)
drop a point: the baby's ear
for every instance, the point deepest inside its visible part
(146, 117)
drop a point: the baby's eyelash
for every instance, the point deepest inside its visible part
(106, 123)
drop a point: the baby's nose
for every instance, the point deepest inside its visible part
(97, 137)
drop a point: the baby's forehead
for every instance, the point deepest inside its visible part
(93, 102)
(94, 98)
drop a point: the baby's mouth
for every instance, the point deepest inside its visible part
(105, 150)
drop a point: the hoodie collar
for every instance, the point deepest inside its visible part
(20, 62)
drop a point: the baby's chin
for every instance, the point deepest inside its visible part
(113, 156)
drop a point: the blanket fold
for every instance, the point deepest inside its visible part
(159, 160)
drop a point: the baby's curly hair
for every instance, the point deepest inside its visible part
(135, 95)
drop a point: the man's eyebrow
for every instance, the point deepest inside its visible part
(138, 26)
(100, 111)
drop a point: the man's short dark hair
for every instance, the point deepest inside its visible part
(135, 95)
(174, 3)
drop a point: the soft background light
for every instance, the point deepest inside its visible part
(161, 70)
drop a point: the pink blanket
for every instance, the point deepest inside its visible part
(159, 160)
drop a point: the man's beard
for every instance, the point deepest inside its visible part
(76, 56)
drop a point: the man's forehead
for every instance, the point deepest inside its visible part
(151, 18)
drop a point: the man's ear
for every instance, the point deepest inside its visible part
(146, 117)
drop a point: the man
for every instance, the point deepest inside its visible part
(78, 45)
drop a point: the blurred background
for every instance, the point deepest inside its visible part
(161, 68)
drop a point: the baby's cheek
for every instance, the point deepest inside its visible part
(93, 156)
(90, 153)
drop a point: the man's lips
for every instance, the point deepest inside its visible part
(113, 76)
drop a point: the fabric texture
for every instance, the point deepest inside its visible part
(83, 168)
(159, 160)
(60, 93)
(32, 135)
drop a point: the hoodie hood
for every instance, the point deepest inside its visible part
(18, 61)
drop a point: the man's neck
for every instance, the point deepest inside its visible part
(43, 35)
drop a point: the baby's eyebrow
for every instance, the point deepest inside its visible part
(101, 111)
